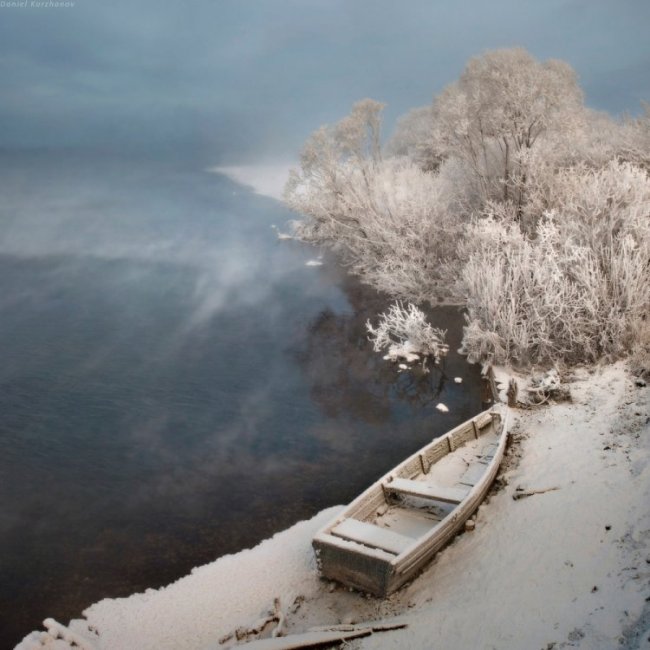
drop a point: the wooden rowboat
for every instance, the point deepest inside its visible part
(388, 533)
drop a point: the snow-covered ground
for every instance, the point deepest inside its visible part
(267, 180)
(566, 564)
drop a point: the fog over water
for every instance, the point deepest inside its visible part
(240, 80)
(176, 383)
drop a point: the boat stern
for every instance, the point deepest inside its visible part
(368, 570)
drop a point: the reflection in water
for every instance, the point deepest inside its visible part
(374, 412)
(338, 348)
(175, 383)
(337, 354)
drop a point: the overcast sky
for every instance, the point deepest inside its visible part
(243, 80)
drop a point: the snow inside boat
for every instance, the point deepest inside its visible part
(388, 533)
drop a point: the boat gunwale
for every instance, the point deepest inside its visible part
(425, 544)
(405, 560)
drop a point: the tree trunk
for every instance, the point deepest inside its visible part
(520, 199)
(506, 172)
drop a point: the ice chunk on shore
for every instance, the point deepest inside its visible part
(281, 235)
(406, 351)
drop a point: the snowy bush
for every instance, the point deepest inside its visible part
(574, 291)
(506, 193)
(405, 334)
(547, 386)
(520, 306)
(635, 141)
(392, 223)
(640, 355)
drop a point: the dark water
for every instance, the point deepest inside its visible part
(176, 384)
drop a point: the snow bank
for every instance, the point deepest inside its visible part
(266, 180)
(567, 562)
(559, 557)
(206, 605)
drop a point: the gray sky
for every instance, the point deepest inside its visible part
(239, 80)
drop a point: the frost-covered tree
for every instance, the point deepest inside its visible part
(392, 222)
(493, 116)
(537, 207)
(413, 138)
(334, 159)
(337, 165)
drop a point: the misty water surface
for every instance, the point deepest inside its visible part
(176, 384)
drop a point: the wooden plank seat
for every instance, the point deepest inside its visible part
(371, 535)
(488, 451)
(426, 490)
(473, 474)
(482, 420)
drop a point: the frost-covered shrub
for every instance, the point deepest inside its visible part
(506, 192)
(522, 305)
(573, 291)
(405, 334)
(593, 143)
(547, 386)
(607, 211)
(640, 355)
(392, 225)
(594, 204)
(634, 144)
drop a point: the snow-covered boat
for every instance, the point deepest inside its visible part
(388, 533)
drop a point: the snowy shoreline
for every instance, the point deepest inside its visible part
(264, 179)
(582, 536)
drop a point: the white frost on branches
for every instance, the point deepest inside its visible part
(405, 334)
(577, 291)
(506, 193)
(389, 220)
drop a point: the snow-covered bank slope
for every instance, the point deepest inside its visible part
(212, 601)
(566, 566)
(569, 567)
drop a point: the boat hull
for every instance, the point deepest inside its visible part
(377, 567)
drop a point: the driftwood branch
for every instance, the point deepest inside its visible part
(375, 626)
(317, 637)
(529, 493)
(276, 616)
(56, 631)
(279, 617)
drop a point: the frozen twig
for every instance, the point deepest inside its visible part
(279, 617)
(58, 631)
(530, 493)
